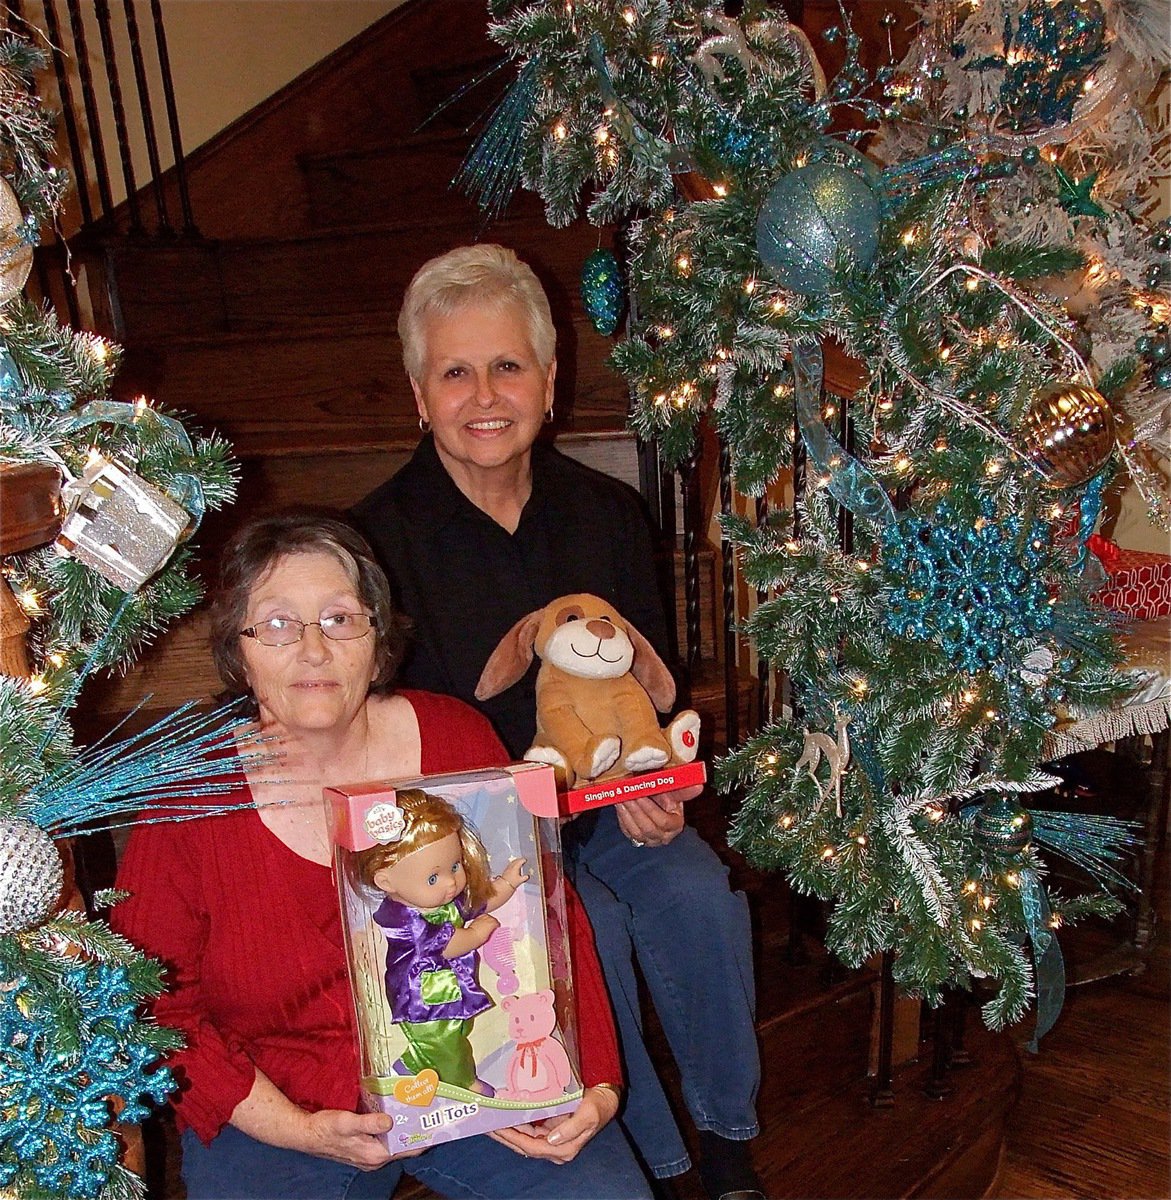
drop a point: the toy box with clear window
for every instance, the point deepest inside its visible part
(459, 965)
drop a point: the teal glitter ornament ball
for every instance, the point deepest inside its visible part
(1003, 826)
(815, 219)
(603, 291)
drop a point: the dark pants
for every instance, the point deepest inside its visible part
(237, 1167)
(672, 908)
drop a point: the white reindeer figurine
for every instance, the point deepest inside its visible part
(837, 754)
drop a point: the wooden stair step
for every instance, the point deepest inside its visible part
(708, 699)
(169, 290)
(340, 388)
(407, 183)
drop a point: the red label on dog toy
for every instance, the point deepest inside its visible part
(614, 791)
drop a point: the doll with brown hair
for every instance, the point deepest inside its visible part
(433, 869)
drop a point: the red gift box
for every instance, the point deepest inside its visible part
(1139, 583)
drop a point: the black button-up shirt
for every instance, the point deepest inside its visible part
(465, 581)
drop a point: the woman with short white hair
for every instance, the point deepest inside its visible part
(483, 525)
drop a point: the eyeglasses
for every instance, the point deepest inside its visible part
(285, 631)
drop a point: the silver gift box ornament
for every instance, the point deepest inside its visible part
(119, 525)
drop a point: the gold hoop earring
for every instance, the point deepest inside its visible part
(549, 415)
(424, 426)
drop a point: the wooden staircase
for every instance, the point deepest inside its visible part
(277, 329)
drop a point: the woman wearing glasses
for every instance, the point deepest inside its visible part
(242, 910)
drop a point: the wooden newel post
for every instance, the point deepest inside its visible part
(30, 515)
(13, 627)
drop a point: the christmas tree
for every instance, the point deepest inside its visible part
(924, 582)
(1060, 100)
(73, 1049)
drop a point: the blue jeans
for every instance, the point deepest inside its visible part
(672, 907)
(237, 1167)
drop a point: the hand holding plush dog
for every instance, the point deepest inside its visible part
(597, 690)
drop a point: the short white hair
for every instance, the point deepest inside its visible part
(486, 274)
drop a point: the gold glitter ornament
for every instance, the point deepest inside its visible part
(1069, 434)
(16, 255)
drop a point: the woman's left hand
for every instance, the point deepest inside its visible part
(559, 1139)
(654, 820)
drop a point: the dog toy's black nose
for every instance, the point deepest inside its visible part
(601, 629)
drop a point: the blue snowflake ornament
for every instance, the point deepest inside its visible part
(57, 1078)
(974, 589)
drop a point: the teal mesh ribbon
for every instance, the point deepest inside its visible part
(184, 487)
(849, 481)
(1048, 963)
(1089, 508)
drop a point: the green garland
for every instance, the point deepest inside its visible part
(689, 122)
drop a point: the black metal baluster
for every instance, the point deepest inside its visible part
(846, 434)
(670, 524)
(882, 1094)
(938, 1085)
(68, 115)
(689, 480)
(728, 579)
(97, 145)
(660, 501)
(648, 482)
(959, 1056)
(189, 229)
(106, 32)
(44, 282)
(764, 671)
(148, 121)
(68, 284)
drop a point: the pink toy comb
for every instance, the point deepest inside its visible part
(498, 952)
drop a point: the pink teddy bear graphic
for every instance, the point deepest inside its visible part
(539, 1069)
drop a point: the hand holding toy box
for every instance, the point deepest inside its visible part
(452, 899)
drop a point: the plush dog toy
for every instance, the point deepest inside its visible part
(598, 678)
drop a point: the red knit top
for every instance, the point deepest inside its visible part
(251, 936)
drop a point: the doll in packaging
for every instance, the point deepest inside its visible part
(433, 870)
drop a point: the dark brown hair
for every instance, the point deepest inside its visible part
(258, 545)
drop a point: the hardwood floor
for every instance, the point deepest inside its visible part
(1094, 1117)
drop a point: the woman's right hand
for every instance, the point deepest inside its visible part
(351, 1138)
(268, 1115)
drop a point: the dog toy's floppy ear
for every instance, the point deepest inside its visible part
(511, 658)
(649, 670)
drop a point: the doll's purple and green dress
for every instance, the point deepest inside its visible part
(432, 998)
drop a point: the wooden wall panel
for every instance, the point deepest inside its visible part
(331, 388)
